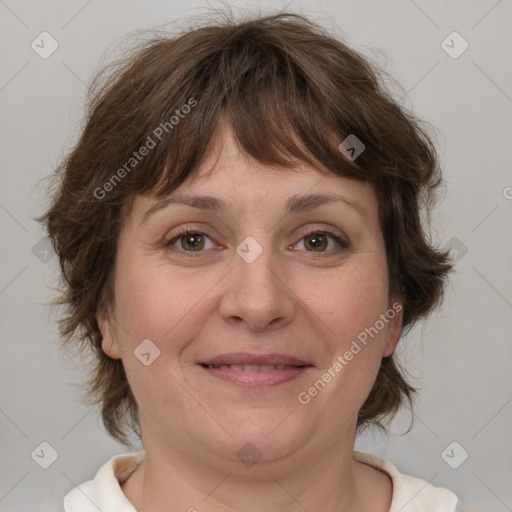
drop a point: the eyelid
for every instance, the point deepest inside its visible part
(185, 230)
(328, 231)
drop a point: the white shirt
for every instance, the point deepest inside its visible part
(104, 492)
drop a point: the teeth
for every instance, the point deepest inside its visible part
(252, 367)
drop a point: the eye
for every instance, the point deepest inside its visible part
(314, 241)
(318, 242)
(190, 241)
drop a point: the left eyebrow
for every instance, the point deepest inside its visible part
(295, 204)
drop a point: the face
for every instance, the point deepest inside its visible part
(266, 323)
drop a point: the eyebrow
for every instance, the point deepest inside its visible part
(295, 204)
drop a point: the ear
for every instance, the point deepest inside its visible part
(109, 342)
(395, 314)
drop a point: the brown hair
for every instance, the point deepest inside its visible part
(291, 92)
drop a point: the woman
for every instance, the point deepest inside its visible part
(241, 246)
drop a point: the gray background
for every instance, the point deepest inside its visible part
(460, 358)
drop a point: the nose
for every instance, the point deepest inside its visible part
(257, 294)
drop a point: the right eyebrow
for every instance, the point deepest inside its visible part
(201, 202)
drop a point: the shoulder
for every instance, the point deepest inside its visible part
(411, 494)
(104, 490)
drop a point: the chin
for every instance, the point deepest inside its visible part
(263, 434)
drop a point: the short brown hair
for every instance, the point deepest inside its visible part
(291, 92)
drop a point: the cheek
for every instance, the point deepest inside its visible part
(347, 302)
(141, 303)
(156, 302)
(346, 306)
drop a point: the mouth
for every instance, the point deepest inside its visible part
(254, 371)
(252, 367)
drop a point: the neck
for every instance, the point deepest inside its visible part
(305, 480)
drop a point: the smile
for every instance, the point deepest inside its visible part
(252, 367)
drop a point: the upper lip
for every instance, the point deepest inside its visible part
(245, 358)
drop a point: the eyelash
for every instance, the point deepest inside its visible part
(187, 230)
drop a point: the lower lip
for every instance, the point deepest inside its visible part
(256, 379)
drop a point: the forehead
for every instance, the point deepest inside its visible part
(243, 184)
(227, 165)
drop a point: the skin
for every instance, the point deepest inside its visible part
(298, 299)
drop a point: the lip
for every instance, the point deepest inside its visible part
(255, 359)
(256, 379)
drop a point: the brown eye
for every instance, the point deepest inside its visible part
(189, 241)
(316, 241)
(321, 242)
(193, 241)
